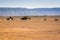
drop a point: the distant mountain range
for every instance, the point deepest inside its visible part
(29, 12)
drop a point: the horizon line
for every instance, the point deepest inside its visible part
(28, 7)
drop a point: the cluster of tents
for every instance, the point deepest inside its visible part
(23, 18)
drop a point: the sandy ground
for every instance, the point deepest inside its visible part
(35, 28)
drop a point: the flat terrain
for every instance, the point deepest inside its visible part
(35, 28)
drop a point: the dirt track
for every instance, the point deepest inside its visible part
(36, 28)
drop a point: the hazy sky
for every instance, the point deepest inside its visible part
(30, 3)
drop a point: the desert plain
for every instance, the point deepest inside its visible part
(30, 28)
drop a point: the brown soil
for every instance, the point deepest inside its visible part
(34, 28)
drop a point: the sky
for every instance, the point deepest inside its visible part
(30, 3)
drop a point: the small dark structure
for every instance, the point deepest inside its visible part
(25, 18)
(45, 19)
(10, 18)
(56, 19)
